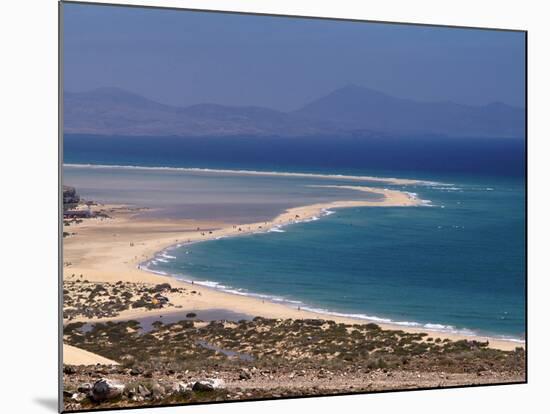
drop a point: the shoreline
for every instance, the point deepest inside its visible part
(157, 235)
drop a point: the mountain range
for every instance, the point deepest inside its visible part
(348, 111)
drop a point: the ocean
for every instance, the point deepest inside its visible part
(457, 263)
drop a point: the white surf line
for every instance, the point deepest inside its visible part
(389, 180)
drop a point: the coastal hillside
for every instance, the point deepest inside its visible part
(348, 111)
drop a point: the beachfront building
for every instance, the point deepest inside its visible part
(70, 198)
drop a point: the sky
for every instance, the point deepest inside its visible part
(184, 58)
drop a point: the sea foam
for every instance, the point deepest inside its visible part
(390, 180)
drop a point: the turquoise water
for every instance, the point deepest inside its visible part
(457, 263)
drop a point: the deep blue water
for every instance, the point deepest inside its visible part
(421, 157)
(459, 264)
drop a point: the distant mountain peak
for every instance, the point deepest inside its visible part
(357, 107)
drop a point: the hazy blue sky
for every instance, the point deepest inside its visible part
(183, 58)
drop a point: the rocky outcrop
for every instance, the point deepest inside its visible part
(106, 389)
(209, 384)
(125, 391)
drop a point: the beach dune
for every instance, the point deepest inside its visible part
(76, 356)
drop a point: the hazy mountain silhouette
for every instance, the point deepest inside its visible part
(351, 110)
(113, 111)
